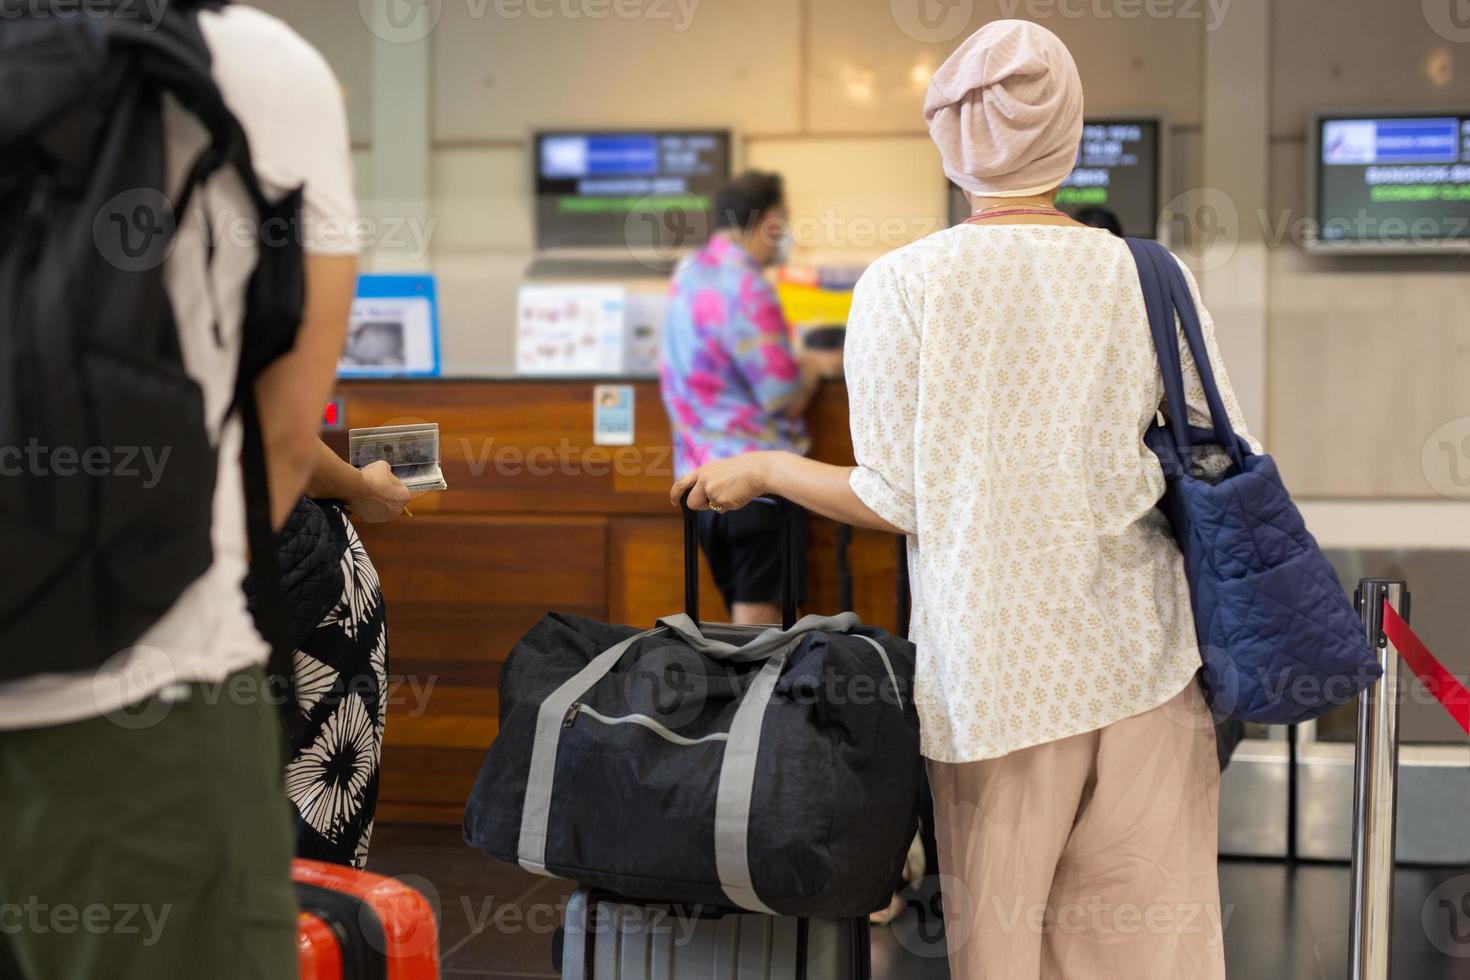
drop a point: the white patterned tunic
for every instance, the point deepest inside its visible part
(1000, 381)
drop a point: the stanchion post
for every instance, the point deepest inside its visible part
(1375, 790)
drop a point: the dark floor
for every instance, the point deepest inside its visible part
(1283, 922)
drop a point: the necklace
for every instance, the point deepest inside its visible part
(1008, 211)
(996, 207)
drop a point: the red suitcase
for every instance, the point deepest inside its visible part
(355, 925)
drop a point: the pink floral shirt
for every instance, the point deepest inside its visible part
(729, 371)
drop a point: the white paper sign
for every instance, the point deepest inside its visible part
(571, 330)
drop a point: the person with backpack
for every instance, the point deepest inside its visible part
(176, 272)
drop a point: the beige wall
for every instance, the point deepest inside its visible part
(1363, 359)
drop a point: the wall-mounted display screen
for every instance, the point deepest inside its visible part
(641, 191)
(1393, 182)
(1118, 170)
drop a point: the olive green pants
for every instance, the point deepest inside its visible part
(153, 847)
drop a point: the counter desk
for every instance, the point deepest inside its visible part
(539, 518)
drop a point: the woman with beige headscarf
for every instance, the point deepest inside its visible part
(1001, 376)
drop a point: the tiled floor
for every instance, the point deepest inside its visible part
(1285, 923)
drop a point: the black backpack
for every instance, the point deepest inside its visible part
(107, 471)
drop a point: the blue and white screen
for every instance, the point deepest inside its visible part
(637, 190)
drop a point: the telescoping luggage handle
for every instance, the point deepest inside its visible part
(790, 556)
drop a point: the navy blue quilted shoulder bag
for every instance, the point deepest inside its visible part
(1279, 640)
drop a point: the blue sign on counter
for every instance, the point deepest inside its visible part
(394, 329)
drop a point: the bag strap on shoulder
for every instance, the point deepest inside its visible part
(1171, 311)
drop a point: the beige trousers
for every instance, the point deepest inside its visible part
(1088, 858)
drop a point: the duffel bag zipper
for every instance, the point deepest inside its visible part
(642, 721)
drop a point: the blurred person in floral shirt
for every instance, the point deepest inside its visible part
(733, 383)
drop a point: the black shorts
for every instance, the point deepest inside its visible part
(743, 548)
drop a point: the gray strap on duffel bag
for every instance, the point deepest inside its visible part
(536, 811)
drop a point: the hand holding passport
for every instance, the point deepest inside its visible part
(411, 451)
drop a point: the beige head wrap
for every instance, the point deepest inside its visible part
(1005, 110)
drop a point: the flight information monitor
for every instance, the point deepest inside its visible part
(1119, 169)
(641, 191)
(1395, 182)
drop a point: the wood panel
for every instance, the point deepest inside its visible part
(518, 446)
(448, 717)
(872, 560)
(646, 572)
(461, 644)
(646, 577)
(827, 423)
(426, 785)
(460, 591)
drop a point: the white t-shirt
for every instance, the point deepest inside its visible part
(290, 106)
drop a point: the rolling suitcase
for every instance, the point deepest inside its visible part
(354, 925)
(320, 945)
(608, 938)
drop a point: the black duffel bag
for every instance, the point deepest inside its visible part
(771, 770)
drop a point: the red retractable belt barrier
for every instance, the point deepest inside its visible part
(1445, 687)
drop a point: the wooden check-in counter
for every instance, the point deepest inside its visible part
(538, 518)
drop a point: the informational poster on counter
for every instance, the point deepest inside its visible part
(612, 415)
(393, 330)
(571, 329)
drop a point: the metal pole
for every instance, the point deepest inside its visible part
(1375, 790)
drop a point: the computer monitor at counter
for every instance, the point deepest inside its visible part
(641, 192)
